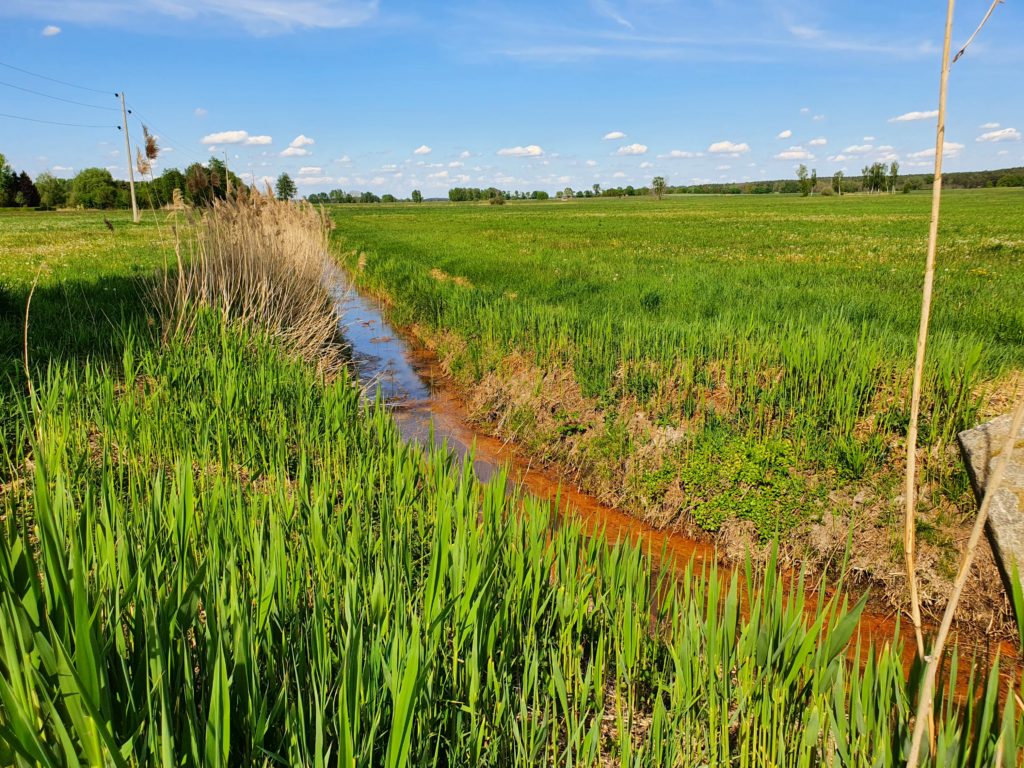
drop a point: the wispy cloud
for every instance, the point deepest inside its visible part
(632, 149)
(795, 153)
(235, 137)
(255, 16)
(680, 154)
(949, 149)
(786, 134)
(50, 30)
(1005, 134)
(614, 135)
(606, 9)
(531, 150)
(909, 117)
(728, 148)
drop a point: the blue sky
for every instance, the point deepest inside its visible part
(391, 95)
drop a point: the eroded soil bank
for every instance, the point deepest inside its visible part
(427, 405)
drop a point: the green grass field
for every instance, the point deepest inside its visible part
(768, 339)
(212, 555)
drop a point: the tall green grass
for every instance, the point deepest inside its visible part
(219, 557)
(774, 320)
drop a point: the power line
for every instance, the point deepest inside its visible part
(56, 98)
(55, 80)
(52, 122)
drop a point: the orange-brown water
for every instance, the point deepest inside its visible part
(427, 406)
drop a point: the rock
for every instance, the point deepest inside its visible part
(982, 448)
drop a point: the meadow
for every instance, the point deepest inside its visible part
(721, 363)
(214, 552)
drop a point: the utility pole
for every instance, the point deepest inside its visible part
(128, 151)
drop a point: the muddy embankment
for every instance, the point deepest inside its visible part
(428, 406)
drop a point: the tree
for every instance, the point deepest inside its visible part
(388, 199)
(597, 190)
(164, 185)
(658, 185)
(805, 180)
(285, 187)
(93, 188)
(567, 193)
(894, 175)
(814, 179)
(837, 183)
(27, 194)
(8, 183)
(53, 191)
(417, 196)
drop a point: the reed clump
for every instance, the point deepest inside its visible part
(260, 262)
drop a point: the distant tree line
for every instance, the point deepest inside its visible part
(877, 177)
(97, 188)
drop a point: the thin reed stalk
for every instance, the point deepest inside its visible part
(910, 488)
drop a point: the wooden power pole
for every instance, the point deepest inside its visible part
(128, 151)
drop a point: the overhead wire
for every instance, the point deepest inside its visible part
(55, 80)
(54, 122)
(57, 98)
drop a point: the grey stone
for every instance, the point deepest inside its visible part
(982, 448)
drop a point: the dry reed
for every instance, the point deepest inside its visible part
(261, 263)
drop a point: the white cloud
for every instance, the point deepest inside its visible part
(344, 159)
(62, 169)
(728, 148)
(422, 149)
(465, 154)
(592, 163)
(456, 164)
(988, 126)
(1006, 134)
(885, 148)
(908, 117)
(302, 141)
(199, 112)
(632, 149)
(869, 139)
(255, 16)
(858, 149)
(614, 135)
(50, 30)
(295, 152)
(313, 181)
(786, 134)
(439, 176)
(818, 117)
(311, 170)
(618, 175)
(723, 167)
(258, 140)
(949, 149)
(646, 165)
(681, 154)
(819, 142)
(531, 150)
(795, 153)
(225, 137)
(804, 110)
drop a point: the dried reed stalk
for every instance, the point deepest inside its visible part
(909, 519)
(261, 263)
